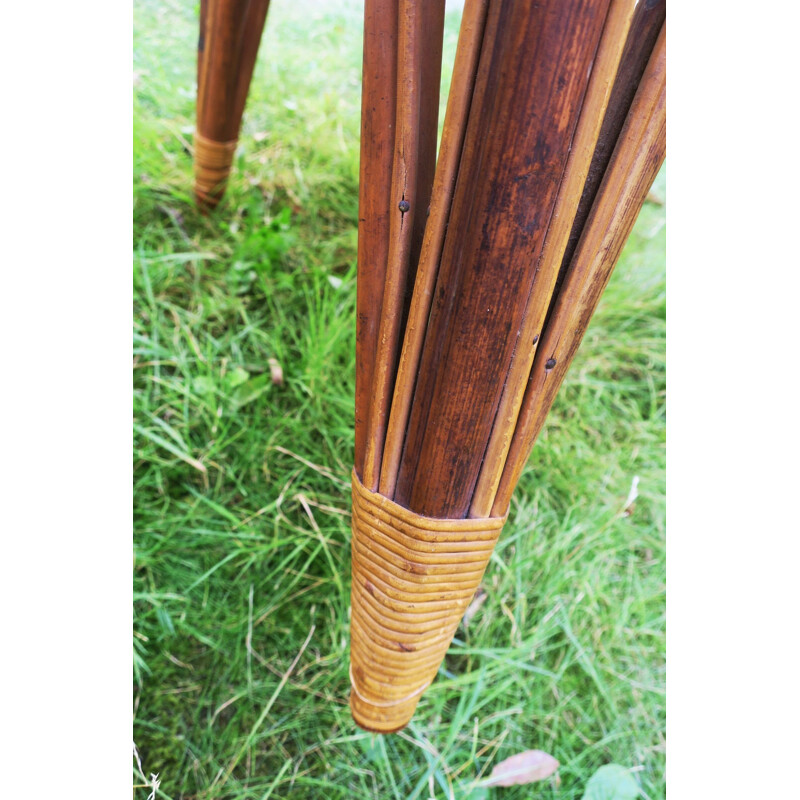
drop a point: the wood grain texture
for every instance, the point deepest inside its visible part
(639, 153)
(531, 82)
(407, 213)
(378, 111)
(455, 123)
(648, 19)
(582, 150)
(430, 81)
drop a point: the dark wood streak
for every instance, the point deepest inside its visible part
(648, 18)
(639, 153)
(531, 80)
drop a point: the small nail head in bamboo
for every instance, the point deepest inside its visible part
(413, 577)
(212, 166)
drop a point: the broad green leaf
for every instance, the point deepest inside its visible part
(236, 377)
(250, 390)
(165, 621)
(203, 384)
(611, 782)
(369, 744)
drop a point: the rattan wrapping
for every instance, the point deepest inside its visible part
(212, 166)
(413, 578)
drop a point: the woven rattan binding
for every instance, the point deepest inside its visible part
(212, 166)
(413, 578)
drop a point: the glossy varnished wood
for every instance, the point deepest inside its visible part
(530, 98)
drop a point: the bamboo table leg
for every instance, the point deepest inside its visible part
(230, 32)
(553, 134)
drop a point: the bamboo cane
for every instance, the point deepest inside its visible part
(430, 79)
(455, 122)
(636, 160)
(230, 32)
(503, 201)
(378, 111)
(506, 190)
(582, 150)
(406, 215)
(647, 21)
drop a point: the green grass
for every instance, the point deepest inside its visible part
(241, 487)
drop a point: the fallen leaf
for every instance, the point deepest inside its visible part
(527, 767)
(275, 371)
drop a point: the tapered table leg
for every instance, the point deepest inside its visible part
(230, 33)
(554, 131)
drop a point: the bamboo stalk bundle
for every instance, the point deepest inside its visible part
(648, 19)
(452, 388)
(230, 32)
(637, 157)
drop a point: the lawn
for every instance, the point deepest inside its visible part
(241, 496)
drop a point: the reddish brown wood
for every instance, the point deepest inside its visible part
(582, 149)
(407, 211)
(520, 134)
(639, 153)
(648, 19)
(256, 16)
(229, 47)
(230, 33)
(430, 80)
(378, 111)
(531, 81)
(455, 123)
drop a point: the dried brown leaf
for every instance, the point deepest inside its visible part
(527, 767)
(472, 609)
(275, 371)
